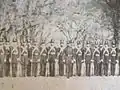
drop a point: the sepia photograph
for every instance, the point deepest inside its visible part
(59, 44)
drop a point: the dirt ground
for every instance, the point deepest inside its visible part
(60, 83)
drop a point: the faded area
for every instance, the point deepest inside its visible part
(60, 83)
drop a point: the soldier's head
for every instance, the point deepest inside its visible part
(43, 42)
(96, 44)
(106, 43)
(61, 43)
(14, 40)
(78, 44)
(52, 42)
(68, 43)
(88, 43)
(113, 43)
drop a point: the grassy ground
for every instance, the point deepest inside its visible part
(60, 83)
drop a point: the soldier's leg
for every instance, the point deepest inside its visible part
(113, 69)
(44, 66)
(87, 69)
(35, 69)
(60, 66)
(1, 71)
(78, 68)
(89, 66)
(29, 68)
(52, 69)
(50, 66)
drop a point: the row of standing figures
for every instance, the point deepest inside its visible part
(73, 69)
(97, 61)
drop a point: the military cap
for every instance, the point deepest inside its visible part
(78, 43)
(52, 41)
(88, 42)
(14, 39)
(113, 42)
(106, 42)
(61, 41)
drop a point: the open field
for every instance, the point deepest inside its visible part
(60, 83)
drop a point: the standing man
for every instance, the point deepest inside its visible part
(51, 58)
(43, 58)
(88, 58)
(7, 58)
(35, 59)
(30, 50)
(14, 58)
(106, 58)
(100, 64)
(24, 59)
(96, 58)
(68, 51)
(61, 58)
(2, 57)
(113, 57)
(79, 57)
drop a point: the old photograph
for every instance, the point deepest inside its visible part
(59, 44)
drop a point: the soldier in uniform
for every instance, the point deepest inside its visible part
(35, 59)
(96, 58)
(1, 58)
(88, 58)
(100, 64)
(7, 58)
(43, 58)
(30, 49)
(51, 58)
(61, 58)
(79, 57)
(68, 51)
(106, 58)
(113, 58)
(24, 59)
(14, 58)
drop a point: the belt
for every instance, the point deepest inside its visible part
(106, 54)
(97, 55)
(69, 55)
(114, 55)
(44, 54)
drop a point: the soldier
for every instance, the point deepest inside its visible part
(43, 58)
(79, 57)
(100, 63)
(1, 58)
(96, 58)
(24, 59)
(106, 58)
(88, 58)
(113, 56)
(35, 59)
(68, 51)
(51, 58)
(14, 58)
(61, 58)
(7, 58)
(30, 49)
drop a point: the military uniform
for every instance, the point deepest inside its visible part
(68, 51)
(24, 60)
(35, 59)
(51, 59)
(106, 58)
(101, 49)
(88, 58)
(113, 57)
(96, 58)
(43, 59)
(7, 59)
(61, 58)
(30, 50)
(79, 58)
(2, 57)
(14, 61)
